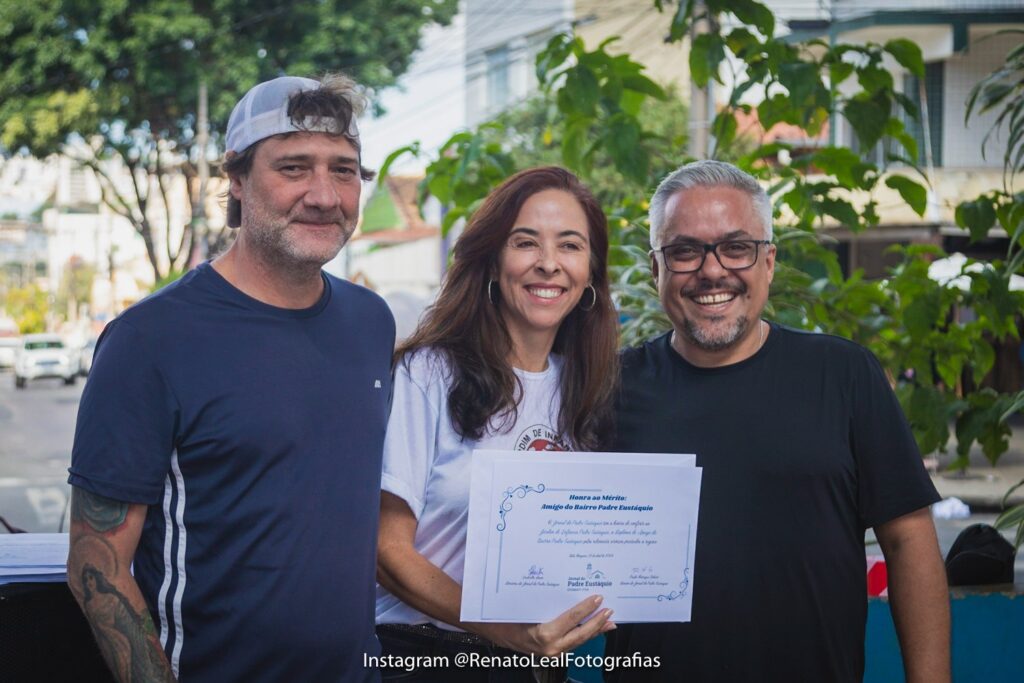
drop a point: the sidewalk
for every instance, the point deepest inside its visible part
(981, 485)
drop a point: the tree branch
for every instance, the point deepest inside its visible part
(108, 190)
(158, 172)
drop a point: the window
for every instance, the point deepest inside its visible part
(498, 94)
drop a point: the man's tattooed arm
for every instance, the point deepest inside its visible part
(104, 535)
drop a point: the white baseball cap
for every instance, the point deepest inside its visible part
(263, 112)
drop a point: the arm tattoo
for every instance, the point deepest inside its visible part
(126, 637)
(108, 594)
(102, 514)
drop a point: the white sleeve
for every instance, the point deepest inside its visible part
(411, 442)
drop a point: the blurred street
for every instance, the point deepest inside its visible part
(37, 426)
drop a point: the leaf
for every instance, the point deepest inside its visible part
(840, 162)
(913, 193)
(644, 85)
(450, 217)
(622, 143)
(1010, 518)
(981, 423)
(978, 216)
(993, 94)
(868, 117)
(751, 13)
(724, 128)
(740, 40)
(573, 140)
(1009, 492)
(908, 54)
(680, 21)
(706, 53)
(776, 109)
(874, 79)
(553, 56)
(921, 316)
(1016, 405)
(842, 211)
(984, 359)
(582, 89)
(839, 71)
(908, 105)
(439, 187)
(927, 411)
(413, 149)
(800, 79)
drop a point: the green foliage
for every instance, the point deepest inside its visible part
(29, 307)
(380, 212)
(600, 97)
(124, 76)
(1003, 90)
(171, 276)
(594, 117)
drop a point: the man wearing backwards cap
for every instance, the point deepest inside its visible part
(226, 466)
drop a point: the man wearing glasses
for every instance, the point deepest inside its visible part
(803, 446)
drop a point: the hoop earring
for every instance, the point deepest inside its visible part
(490, 294)
(593, 300)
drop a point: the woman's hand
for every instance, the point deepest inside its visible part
(563, 633)
(418, 582)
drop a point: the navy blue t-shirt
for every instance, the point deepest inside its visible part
(254, 434)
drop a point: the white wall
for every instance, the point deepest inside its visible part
(428, 105)
(847, 8)
(522, 28)
(961, 145)
(414, 267)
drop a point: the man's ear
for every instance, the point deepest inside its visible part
(769, 259)
(234, 181)
(235, 186)
(654, 266)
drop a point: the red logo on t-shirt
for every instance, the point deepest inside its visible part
(540, 438)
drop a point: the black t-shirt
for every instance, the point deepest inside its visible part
(804, 446)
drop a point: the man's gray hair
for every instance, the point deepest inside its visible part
(708, 173)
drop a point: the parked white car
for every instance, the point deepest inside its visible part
(9, 347)
(85, 357)
(42, 356)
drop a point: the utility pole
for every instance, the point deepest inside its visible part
(702, 101)
(200, 232)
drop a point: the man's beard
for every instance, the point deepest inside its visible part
(275, 239)
(711, 339)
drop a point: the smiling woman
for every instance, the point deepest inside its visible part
(517, 353)
(542, 272)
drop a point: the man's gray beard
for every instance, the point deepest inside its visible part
(699, 338)
(274, 249)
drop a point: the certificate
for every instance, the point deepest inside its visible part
(547, 530)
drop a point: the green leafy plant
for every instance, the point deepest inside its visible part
(1002, 90)
(29, 306)
(120, 80)
(593, 110)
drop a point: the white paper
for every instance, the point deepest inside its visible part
(546, 531)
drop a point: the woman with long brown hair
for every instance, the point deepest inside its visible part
(518, 352)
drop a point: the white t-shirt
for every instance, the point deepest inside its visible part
(426, 462)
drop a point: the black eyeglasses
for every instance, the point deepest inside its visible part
(688, 257)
